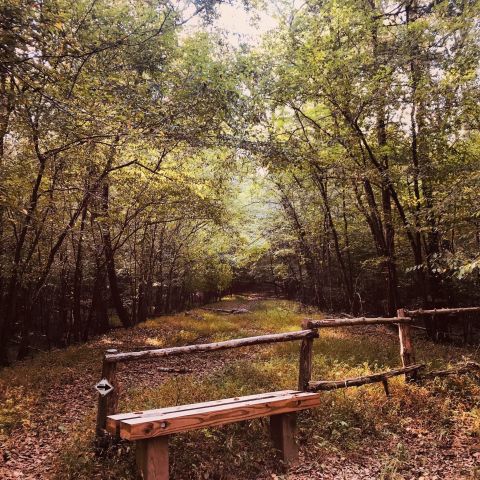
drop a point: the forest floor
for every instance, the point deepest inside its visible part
(429, 431)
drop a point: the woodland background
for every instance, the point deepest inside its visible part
(146, 168)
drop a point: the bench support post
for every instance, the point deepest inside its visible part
(152, 458)
(283, 429)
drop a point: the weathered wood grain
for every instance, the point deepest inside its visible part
(283, 429)
(152, 458)
(209, 347)
(175, 422)
(305, 363)
(348, 322)
(107, 405)
(358, 381)
(113, 421)
(441, 311)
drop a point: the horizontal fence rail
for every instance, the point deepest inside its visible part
(466, 367)
(348, 322)
(364, 380)
(107, 404)
(441, 311)
(210, 347)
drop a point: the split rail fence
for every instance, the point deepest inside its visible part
(438, 325)
(108, 404)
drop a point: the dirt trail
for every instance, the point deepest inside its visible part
(31, 452)
(31, 449)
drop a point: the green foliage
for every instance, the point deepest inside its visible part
(107, 164)
(348, 421)
(374, 153)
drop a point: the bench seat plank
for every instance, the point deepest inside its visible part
(202, 416)
(113, 421)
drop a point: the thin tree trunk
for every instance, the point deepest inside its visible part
(77, 281)
(122, 312)
(348, 286)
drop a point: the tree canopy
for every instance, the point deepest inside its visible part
(146, 167)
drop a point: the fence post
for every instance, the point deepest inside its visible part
(305, 364)
(107, 404)
(406, 346)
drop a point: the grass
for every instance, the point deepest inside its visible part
(265, 316)
(348, 420)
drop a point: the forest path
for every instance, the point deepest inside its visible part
(48, 404)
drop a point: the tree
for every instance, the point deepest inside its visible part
(371, 102)
(96, 96)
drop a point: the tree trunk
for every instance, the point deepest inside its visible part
(110, 264)
(77, 282)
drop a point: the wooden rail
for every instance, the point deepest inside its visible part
(441, 311)
(210, 347)
(364, 380)
(349, 322)
(466, 367)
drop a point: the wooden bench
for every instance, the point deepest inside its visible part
(151, 428)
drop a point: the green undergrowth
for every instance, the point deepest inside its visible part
(264, 316)
(348, 420)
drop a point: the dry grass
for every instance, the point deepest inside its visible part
(348, 420)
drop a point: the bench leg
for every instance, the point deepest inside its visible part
(152, 458)
(283, 429)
